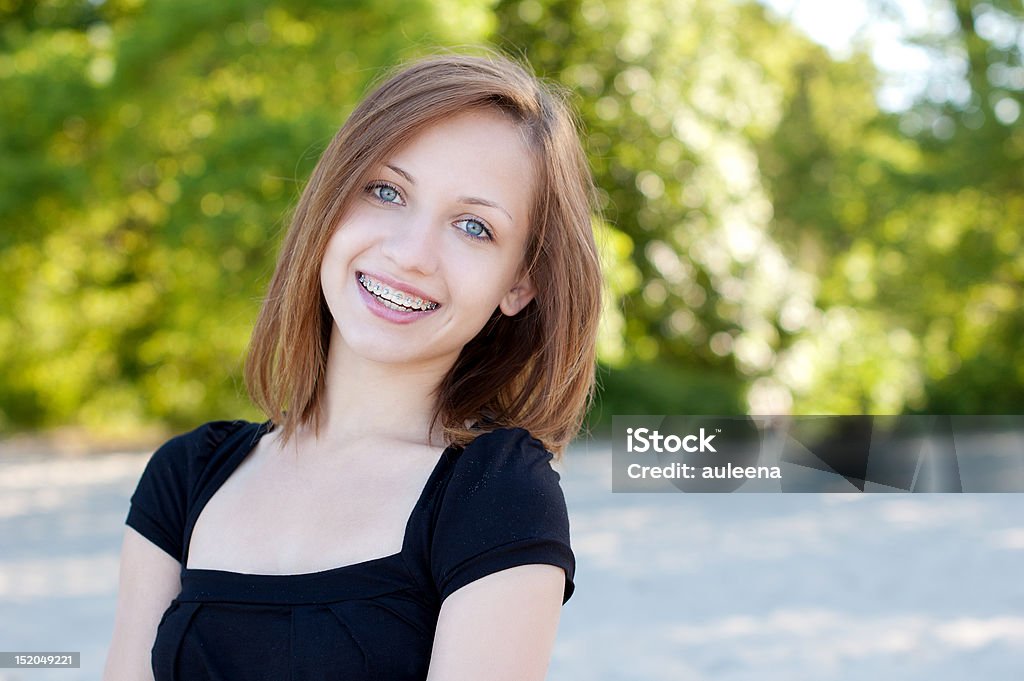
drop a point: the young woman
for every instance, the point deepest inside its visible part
(426, 348)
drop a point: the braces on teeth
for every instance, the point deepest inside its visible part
(395, 300)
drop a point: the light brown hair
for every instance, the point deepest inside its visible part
(535, 370)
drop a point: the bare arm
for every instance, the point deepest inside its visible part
(500, 627)
(150, 579)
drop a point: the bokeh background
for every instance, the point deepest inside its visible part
(808, 207)
(805, 210)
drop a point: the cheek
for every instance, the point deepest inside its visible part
(336, 260)
(484, 286)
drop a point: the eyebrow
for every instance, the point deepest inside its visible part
(461, 199)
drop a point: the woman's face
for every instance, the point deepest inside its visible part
(433, 244)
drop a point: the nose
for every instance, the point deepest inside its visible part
(412, 244)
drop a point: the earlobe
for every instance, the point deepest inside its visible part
(518, 297)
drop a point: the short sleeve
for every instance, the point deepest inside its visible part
(503, 507)
(159, 505)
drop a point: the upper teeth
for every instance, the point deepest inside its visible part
(395, 296)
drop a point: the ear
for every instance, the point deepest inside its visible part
(518, 297)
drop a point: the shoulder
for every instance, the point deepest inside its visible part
(207, 435)
(179, 463)
(507, 463)
(191, 451)
(503, 507)
(503, 477)
(506, 452)
(162, 498)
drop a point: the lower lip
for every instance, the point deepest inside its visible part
(378, 308)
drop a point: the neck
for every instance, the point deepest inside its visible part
(366, 399)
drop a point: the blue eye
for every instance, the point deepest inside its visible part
(475, 229)
(387, 193)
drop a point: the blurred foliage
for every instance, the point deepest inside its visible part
(790, 235)
(150, 155)
(912, 225)
(773, 241)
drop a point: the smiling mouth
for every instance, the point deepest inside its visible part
(394, 299)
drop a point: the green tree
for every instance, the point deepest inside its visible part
(773, 240)
(912, 223)
(150, 155)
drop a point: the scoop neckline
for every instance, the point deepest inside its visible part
(236, 460)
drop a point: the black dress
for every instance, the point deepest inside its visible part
(491, 505)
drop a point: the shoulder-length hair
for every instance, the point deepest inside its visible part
(535, 370)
